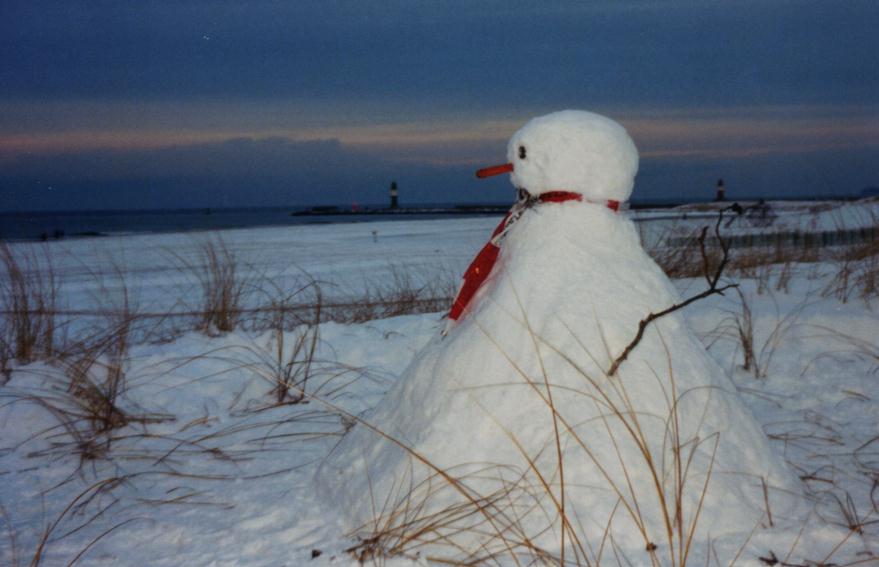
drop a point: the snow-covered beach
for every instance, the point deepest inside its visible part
(212, 467)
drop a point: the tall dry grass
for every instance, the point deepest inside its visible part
(288, 362)
(759, 264)
(78, 511)
(28, 301)
(400, 291)
(856, 273)
(85, 393)
(218, 275)
(758, 347)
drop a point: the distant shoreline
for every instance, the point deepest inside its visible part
(635, 204)
(449, 210)
(60, 225)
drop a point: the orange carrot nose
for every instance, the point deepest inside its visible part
(494, 170)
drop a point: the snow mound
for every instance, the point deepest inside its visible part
(508, 432)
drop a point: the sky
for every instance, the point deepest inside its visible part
(214, 103)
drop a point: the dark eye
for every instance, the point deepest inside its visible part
(521, 152)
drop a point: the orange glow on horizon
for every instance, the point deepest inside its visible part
(677, 135)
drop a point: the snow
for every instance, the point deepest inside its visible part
(818, 401)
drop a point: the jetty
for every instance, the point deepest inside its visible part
(403, 211)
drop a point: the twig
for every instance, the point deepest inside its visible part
(713, 289)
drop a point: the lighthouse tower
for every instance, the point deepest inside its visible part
(721, 191)
(394, 203)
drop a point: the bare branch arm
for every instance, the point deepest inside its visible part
(712, 279)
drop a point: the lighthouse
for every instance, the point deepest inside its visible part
(394, 203)
(721, 191)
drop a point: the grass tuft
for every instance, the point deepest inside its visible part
(28, 297)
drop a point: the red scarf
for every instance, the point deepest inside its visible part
(482, 265)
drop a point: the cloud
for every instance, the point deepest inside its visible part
(660, 132)
(681, 148)
(236, 172)
(227, 158)
(745, 132)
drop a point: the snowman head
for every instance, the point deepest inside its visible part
(572, 150)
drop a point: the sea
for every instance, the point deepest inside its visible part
(58, 225)
(44, 226)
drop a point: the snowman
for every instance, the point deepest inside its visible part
(507, 435)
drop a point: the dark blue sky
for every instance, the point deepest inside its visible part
(213, 103)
